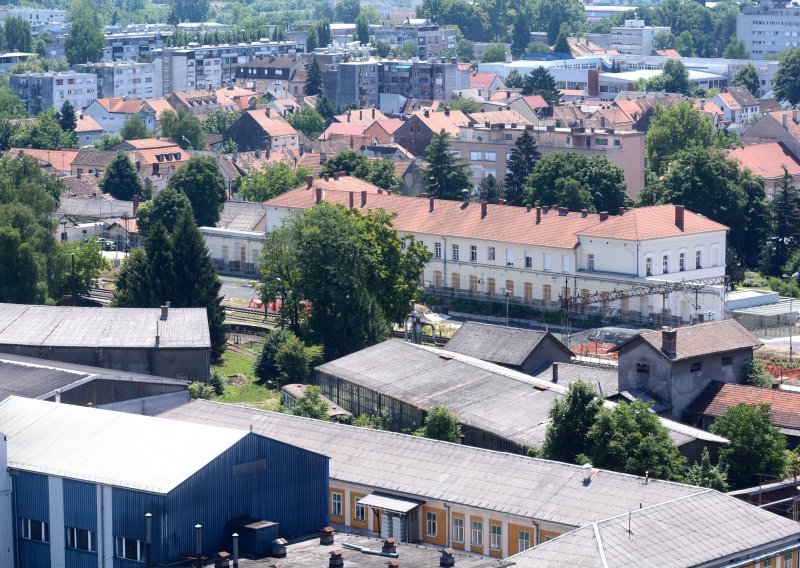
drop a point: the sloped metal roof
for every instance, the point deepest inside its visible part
(111, 448)
(415, 467)
(705, 529)
(499, 344)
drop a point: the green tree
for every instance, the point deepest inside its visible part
(269, 182)
(756, 446)
(629, 438)
(184, 129)
(441, 424)
(786, 82)
(493, 53)
(88, 265)
(684, 44)
(20, 277)
(489, 189)
(308, 121)
(120, 179)
(747, 76)
(555, 16)
(323, 35)
(66, 117)
(85, 41)
(445, 176)
(541, 82)
(314, 79)
(520, 35)
(202, 182)
(218, 121)
(134, 129)
(785, 225)
(311, 405)
(736, 49)
(44, 133)
(561, 45)
(519, 166)
(10, 105)
(464, 105)
(166, 208)
(382, 173)
(664, 40)
(18, 35)
(703, 474)
(312, 41)
(108, 142)
(347, 11)
(348, 161)
(265, 367)
(755, 375)
(326, 108)
(570, 421)
(362, 29)
(674, 78)
(514, 80)
(190, 10)
(672, 129)
(295, 360)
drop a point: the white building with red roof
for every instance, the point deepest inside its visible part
(768, 161)
(534, 253)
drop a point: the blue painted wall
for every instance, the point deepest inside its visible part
(80, 511)
(31, 503)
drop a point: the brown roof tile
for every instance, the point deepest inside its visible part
(438, 121)
(766, 160)
(718, 397)
(654, 222)
(270, 125)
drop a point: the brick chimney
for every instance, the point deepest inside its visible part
(484, 207)
(679, 214)
(447, 559)
(336, 560)
(389, 546)
(326, 536)
(669, 341)
(603, 216)
(309, 181)
(320, 195)
(555, 372)
(622, 211)
(363, 198)
(135, 201)
(501, 201)
(431, 202)
(584, 213)
(538, 214)
(373, 113)
(562, 211)
(335, 176)
(427, 114)
(165, 311)
(528, 208)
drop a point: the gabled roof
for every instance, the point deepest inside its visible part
(146, 144)
(241, 216)
(709, 107)
(270, 125)
(482, 80)
(499, 117)
(728, 100)
(108, 447)
(604, 380)
(668, 53)
(121, 105)
(718, 397)
(766, 160)
(159, 106)
(93, 207)
(701, 339)
(388, 125)
(87, 124)
(503, 345)
(448, 121)
(343, 129)
(94, 158)
(60, 160)
(429, 469)
(742, 95)
(644, 223)
(535, 101)
(364, 116)
(707, 529)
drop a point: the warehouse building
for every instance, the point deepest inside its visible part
(85, 479)
(89, 386)
(498, 408)
(167, 342)
(444, 494)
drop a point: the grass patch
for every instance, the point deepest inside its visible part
(240, 382)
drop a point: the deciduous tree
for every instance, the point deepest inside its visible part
(786, 82)
(121, 180)
(184, 129)
(269, 182)
(747, 76)
(704, 474)
(85, 41)
(441, 424)
(672, 129)
(311, 405)
(571, 419)
(202, 182)
(308, 121)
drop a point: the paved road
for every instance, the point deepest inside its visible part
(239, 288)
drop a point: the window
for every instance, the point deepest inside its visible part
(528, 261)
(475, 156)
(130, 549)
(473, 253)
(458, 529)
(643, 368)
(361, 513)
(696, 367)
(81, 539)
(490, 156)
(496, 533)
(490, 253)
(336, 504)
(490, 286)
(726, 361)
(665, 264)
(509, 257)
(437, 250)
(35, 530)
(547, 264)
(524, 540)
(430, 524)
(682, 261)
(590, 262)
(766, 563)
(787, 559)
(564, 263)
(477, 533)
(648, 266)
(698, 259)
(455, 252)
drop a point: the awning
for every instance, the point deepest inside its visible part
(391, 503)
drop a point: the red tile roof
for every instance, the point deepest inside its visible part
(668, 53)
(535, 101)
(654, 222)
(438, 121)
(503, 223)
(159, 106)
(766, 160)
(151, 144)
(272, 126)
(125, 106)
(499, 117)
(59, 159)
(343, 129)
(365, 116)
(718, 397)
(728, 99)
(87, 124)
(482, 80)
(389, 125)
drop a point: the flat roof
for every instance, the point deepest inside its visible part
(62, 326)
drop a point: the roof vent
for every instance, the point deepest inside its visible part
(326, 536)
(389, 546)
(447, 559)
(336, 560)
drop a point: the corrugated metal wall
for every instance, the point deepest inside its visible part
(32, 503)
(80, 511)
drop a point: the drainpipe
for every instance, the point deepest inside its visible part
(447, 529)
(444, 257)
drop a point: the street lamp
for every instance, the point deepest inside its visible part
(791, 314)
(188, 142)
(507, 294)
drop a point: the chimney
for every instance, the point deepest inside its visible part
(538, 214)
(309, 181)
(679, 213)
(335, 176)
(603, 216)
(584, 213)
(431, 201)
(326, 536)
(669, 341)
(278, 548)
(165, 311)
(268, 112)
(326, 177)
(342, 174)
(562, 211)
(336, 560)
(363, 198)
(320, 195)
(427, 113)
(323, 157)
(138, 165)
(135, 204)
(79, 174)
(528, 208)
(446, 111)
(380, 192)
(258, 154)
(622, 211)
(389, 546)
(447, 559)
(483, 209)
(393, 564)
(555, 372)
(373, 114)
(786, 120)
(351, 199)
(702, 104)
(508, 94)
(545, 209)
(796, 115)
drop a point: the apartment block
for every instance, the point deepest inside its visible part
(769, 28)
(429, 39)
(33, 15)
(41, 91)
(134, 45)
(354, 82)
(127, 79)
(635, 38)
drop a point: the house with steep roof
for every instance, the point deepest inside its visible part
(87, 130)
(416, 133)
(537, 253)
(532, 107)
(261, 129)
(737, 104)
(111, 113)
(382, 131)
(365, 116)
(60, 160)
(781, 126)
(768, 161)
(674, 366)
(488, 82)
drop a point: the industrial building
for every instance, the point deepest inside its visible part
(89, 386)
(167, 342)
(79, 483)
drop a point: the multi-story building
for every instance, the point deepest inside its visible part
(769, 28)
(41, 91)
(353, 82)
(126, 79)
(635, 38)
(11, 58)
(34, 15)
(533, 255)
(134, 45)
(485, 144)
(262, 129)
(111, 113)
(738, 105)
(268, 73)
(429, 39)
(429, 80)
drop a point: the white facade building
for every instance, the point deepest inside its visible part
(128, 79)
(536, 254)
(770, 28)
(41, 91)
(635, 38)
(34, 15)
